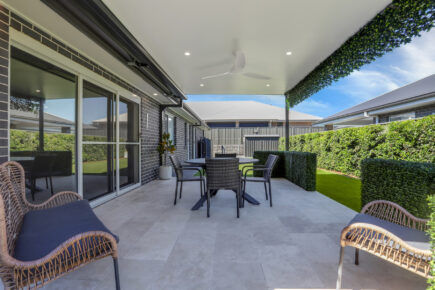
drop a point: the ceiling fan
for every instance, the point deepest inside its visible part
(237, 68)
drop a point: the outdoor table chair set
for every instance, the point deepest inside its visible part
(223, 173)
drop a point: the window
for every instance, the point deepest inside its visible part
(221, 124)
(43, 124)
(170, 127)
(403, 116)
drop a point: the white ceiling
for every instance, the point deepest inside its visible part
(263, 29)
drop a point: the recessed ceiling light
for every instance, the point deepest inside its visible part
(134, 95)
(288, 53)
(155, 94)
(187, 53)
(201, 85)
(38, 91)
(267, 85)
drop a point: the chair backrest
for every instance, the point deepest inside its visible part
(43, 164)
(270, 164)
(225, 155)
(222, 173)
(177, 166)
(11, 213)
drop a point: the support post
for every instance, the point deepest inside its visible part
(287, 125)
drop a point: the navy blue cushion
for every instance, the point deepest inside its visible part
(44, 230)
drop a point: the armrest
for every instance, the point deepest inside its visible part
(255, 169)
(394, 213)
(252, 166)
(373, 238)
(58, 199)
(198, 169)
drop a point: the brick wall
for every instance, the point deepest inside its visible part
(150, 159)
(4, 80)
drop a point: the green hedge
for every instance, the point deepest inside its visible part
(343, 150)
(431, 232)
(408, 184)
(298, 167)
(21, 140)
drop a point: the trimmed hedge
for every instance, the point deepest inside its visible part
(343, 150)
(298, 167)
(431, 231)
(408, 184)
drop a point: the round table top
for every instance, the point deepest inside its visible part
(201, 161)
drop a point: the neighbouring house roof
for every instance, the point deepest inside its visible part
(421, 89)
(245, 111)
(31, 116)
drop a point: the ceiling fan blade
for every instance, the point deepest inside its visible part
(216, 75)
(256, 76)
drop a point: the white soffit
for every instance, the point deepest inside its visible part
(263, 29)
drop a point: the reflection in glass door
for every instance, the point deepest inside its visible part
(98, 151)
(128, 142)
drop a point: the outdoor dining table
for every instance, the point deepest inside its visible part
(200, 162)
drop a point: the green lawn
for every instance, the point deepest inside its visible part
(100, 167)
(343, 189)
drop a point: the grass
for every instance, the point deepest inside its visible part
(343, 189)
(100, 167)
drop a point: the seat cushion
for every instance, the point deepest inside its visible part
(413, 237)
(44, 230)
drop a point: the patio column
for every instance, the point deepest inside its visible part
(287, 125)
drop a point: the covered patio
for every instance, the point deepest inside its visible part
(294, 245)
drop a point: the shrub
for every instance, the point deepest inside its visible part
(298, 167)
(408, 184)
(431, 231)
(343, 150)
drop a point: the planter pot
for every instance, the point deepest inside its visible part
(165, 172)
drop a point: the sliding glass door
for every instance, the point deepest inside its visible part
(69, 133)
(98, 150)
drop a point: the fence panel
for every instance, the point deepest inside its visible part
(260, 143)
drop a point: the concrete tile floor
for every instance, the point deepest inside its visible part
(293, 245)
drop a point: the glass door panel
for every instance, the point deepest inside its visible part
(98, 150)
(42, 124)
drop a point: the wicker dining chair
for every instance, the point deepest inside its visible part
(225, 155)
(42, 242)
(182, 176)
(267, 169)
(389, 232)
(223, 173)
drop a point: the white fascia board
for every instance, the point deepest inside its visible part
(342, 120)
(401, 107)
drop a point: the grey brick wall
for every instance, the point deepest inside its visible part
(4, 82)
(150, 159)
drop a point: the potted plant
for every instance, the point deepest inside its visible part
(165, 146)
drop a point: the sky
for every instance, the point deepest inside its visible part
(395, 69)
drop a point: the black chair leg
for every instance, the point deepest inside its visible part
(51, 185)
(200, 187)
(265, 190)
(270, 192)
(181, 188)
(115, 264)
(238, 202)
(46, 182)
(356, 256)
(176, 192)
(208, 203)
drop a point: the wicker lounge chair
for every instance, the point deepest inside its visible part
(223, 173)
(42, 242)
(388, 231)
(267, 169)
(183, 177)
